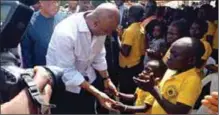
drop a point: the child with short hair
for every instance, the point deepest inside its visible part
(181, 85)
(159, 68)
(155, 40)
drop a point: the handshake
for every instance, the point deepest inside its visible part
(145, 82)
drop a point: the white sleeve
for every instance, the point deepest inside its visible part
(61, 53)
(99, 62)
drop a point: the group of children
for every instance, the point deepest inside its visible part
(174, 59)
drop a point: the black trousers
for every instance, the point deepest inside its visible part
(215, 55)
(126, 82)
(71, 103)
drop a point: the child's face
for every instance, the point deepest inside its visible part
(178, 58)
(172, 34)
(156, 31)
(195, 31)
(153, 67)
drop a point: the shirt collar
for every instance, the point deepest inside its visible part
(82, 26)
(191, 71)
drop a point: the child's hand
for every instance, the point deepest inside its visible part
(146, 84)
(119, 106)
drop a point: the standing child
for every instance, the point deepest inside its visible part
(131, 51)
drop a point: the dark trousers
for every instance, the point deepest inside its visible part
(126, 82)
(71, 103)
(215, 55)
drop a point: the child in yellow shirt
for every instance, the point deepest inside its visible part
(158, 68)
(181, 85)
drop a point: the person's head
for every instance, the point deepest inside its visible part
(176, 30)
(150, 8)
(85, 5)
(136, 13)
(103, 20)
(205, 12)
(157, 67)
(185, 53)
(49, 8)
(119, 2)
(158, 29)
(198, 29)
(73, 4)
(36, 6)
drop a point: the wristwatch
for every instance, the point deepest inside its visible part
(35, 93)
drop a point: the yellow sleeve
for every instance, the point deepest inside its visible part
(189, 92)
(208, 50)
(149, 99)
(166, 55)
(128, 37)
(143, 43)
(215, 40)
(141, 97)
(211, 28)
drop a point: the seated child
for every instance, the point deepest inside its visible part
(155, 66)
(181, 85)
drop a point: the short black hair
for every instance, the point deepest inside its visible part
(203, 26)
(150, 26)
(182, 27)
(161, 66)
(136, 11)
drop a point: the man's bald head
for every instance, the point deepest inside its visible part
(105, 18)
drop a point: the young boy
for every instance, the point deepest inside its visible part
(181, 85)
(131, 51)
(158, 68)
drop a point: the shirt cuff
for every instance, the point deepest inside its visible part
(100, 66)
(72, 80)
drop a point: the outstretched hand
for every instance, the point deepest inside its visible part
(145, 82)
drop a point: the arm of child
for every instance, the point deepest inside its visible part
(133, 109)
(128, 97)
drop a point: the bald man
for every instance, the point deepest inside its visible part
(77, 45)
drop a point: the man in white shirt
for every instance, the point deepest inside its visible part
(77, 45)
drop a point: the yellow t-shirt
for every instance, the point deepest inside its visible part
(141, 97)
(211, 29)
(215, 40)
(166, 56)
(208, 50)
(133, 37)
(184, 88)
(140, 101)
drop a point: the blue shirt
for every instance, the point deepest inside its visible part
(37, 37)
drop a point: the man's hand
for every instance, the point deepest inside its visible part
(110, 87)
(105, 101)
(146, 84)
(211, 102)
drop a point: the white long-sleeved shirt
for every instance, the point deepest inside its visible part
(73, 48)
